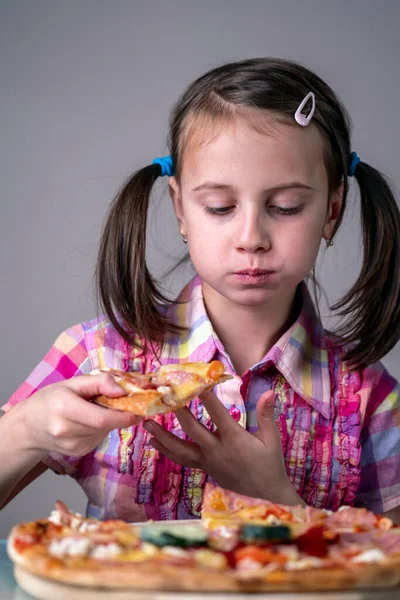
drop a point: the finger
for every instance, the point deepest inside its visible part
(176, 458)
(77, 410)
(219, 414)
(193, 428)
(265, 417)
(89, 386)
(171, 442)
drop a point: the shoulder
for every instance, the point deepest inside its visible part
(75, 341)
(99, 344)
(380, 440)
(77, 351)
(376, 387)
(86, 346)
(380, 393)
(78, 332)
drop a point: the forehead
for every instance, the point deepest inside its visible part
(268, 149)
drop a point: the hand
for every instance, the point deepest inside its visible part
(59, 418)
(250, 464)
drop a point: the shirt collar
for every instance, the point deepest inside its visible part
(199, 342)
(300, 354)
(302, 357)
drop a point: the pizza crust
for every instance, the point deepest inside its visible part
(141, 404)
(148, 575)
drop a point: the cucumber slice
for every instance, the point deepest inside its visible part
(257, 534)
(185, 536)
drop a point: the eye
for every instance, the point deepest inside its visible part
(287, 211)
(223, 210)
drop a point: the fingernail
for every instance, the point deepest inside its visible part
(148, 426)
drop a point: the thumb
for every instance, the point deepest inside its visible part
(265, 416)
(89, 386)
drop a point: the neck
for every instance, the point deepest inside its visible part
(248, 332)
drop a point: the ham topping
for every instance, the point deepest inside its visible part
(355, 519)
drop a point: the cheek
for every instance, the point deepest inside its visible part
(303, 242)
(204, 247)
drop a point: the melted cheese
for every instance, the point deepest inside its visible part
(290, 552)
(248, 564)
(369, 556)
(169, 396)
(105, 551)
(147, 551)
(304, 563)
(87, 526)
(70, 547)
(74, 520)
(173, 551)
(55, 517)
(208, 558)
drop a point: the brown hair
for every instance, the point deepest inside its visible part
(126, 290)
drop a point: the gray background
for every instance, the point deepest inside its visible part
(86, 87)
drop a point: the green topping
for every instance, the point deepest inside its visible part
(184, 536)
(258, 534)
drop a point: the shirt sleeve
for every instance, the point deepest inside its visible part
(67, 358)
(379, 488)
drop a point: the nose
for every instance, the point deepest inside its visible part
(253, 235)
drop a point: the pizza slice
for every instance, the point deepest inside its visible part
(231, 518)
(166, 390)
(221, 505)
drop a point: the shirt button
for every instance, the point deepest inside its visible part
(235, 413)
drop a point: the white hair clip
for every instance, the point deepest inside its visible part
(301, 119)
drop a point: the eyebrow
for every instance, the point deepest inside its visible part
(212, 185)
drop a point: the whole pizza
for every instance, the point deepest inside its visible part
(240, 544)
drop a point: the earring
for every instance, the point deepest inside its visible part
(329, 243)
(184, 238)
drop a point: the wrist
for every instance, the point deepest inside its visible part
(290, 497)
(22, 432)
(284, 494)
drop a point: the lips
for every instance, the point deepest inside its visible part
(255, 276)
(254, 272)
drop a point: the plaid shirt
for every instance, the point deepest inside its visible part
(340, 430)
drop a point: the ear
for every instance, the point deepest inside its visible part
(334, 212)
(175, 193)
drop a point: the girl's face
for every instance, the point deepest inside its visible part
(254, 207)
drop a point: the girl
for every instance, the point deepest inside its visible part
(259, 172)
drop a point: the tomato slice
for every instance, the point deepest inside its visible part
(313, 542)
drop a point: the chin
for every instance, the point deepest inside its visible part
(252, 297)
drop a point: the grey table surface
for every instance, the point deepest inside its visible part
(9, 590)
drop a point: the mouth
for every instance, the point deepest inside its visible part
(254, 276)
(254, 272)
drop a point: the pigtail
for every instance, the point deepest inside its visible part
(126, 291)
(372, 305)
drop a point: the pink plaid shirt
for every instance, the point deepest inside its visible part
(340, 430)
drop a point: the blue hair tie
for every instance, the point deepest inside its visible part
(355, 159)
(166, 164)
